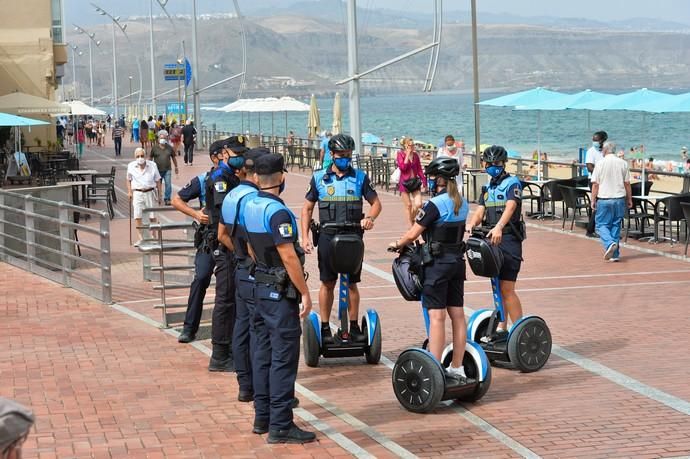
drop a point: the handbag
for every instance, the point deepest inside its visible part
(412, 184)
(395, 176)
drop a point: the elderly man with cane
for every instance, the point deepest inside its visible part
(143, 188)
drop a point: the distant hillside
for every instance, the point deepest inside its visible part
(311, 51)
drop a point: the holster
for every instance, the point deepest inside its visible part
(279, 280)
(437, 249)
(315, 232)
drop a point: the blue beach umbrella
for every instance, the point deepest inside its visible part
(523, 99)
(368, 137)
(674, 104)
(13, 120)
(642, 100)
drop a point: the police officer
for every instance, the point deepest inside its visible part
(203, 260)
(441, 222)
(279, 276)
(500, 210)
(232, 234)
(221, 180)
(339, 191)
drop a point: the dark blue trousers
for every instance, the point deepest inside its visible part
(223, 319)
(203, 270)
(277, 329)
(243, 339)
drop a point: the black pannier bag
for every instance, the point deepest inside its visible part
(484, 259)
(408, 282)
(347, 252)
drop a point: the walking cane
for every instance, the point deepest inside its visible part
(130, 221)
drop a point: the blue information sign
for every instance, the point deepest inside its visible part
(178, 72)
(174, 107)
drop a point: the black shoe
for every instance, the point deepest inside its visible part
(167, 202)
(326, 335)
(260, 427)
(221, 359)
(356, 334)
(295, 403)
(245, 396)
(592, 235)
(186, 337)
(292, 435)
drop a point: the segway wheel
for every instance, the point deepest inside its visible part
(529, 346)
(373, 352)
(310, 342)
(472, 371)
(418, 381)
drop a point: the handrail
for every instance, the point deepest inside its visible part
(45, 242)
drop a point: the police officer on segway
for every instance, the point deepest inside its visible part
(500, 211)
(203, 260)
(232, 234)
(280, 286)
(339, 190)
(441, 222)
(221, 180)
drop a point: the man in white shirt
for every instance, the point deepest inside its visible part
(450, 150)
(143, 187)
(593, 156)
(611, 193)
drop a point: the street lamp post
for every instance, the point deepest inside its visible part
(75, 53)
(130, 92)
(122, 27)
(92, 38)
(162, 4)
(179, 90)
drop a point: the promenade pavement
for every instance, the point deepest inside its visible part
(106, 381)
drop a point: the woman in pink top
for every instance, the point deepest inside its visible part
(410, 168)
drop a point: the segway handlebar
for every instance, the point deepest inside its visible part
(341, 226)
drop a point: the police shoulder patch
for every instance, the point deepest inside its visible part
(518, 192)
(285, 229)
(420, 215)
(220, 186)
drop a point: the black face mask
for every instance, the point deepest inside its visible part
(280, 187)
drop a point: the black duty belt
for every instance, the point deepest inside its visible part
(145, 190)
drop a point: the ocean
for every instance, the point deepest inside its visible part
(429, 117)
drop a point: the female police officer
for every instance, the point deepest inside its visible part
(441, 222)
(500, 210)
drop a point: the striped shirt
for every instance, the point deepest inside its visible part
(118, 132)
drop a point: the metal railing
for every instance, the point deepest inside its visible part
(42, 237)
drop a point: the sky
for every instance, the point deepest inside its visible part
(672, 10)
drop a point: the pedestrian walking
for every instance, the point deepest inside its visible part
(611, 193)
(163, 155)
(143, 187)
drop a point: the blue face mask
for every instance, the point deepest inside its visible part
(495, 171)
(596, 145)
(342, 163)
(432, 186)
(282, 187)
(236, 162)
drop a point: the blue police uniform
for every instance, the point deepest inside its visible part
(203, 260)
(221, 181)
(243, 345)
(340, 201)
(494, 198)
(444, 277)
(270, 223)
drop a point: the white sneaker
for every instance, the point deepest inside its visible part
(138, 243)
(610, 251)
(457, 372)
(615, 259)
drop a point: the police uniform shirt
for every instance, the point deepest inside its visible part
(430, 214)
(269, 223)
(368, 191)
(233, 217)
(192, 190)
(219, 184)
(513, 193)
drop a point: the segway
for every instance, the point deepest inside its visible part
(527, 345)
(419, 380)
(347, 257)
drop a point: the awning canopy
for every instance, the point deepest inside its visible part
(566, 101)
(531, 96)
(267, 104)
(77, 107)
(13, 120)
(21, 103)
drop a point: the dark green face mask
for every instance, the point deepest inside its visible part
(236, 162)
